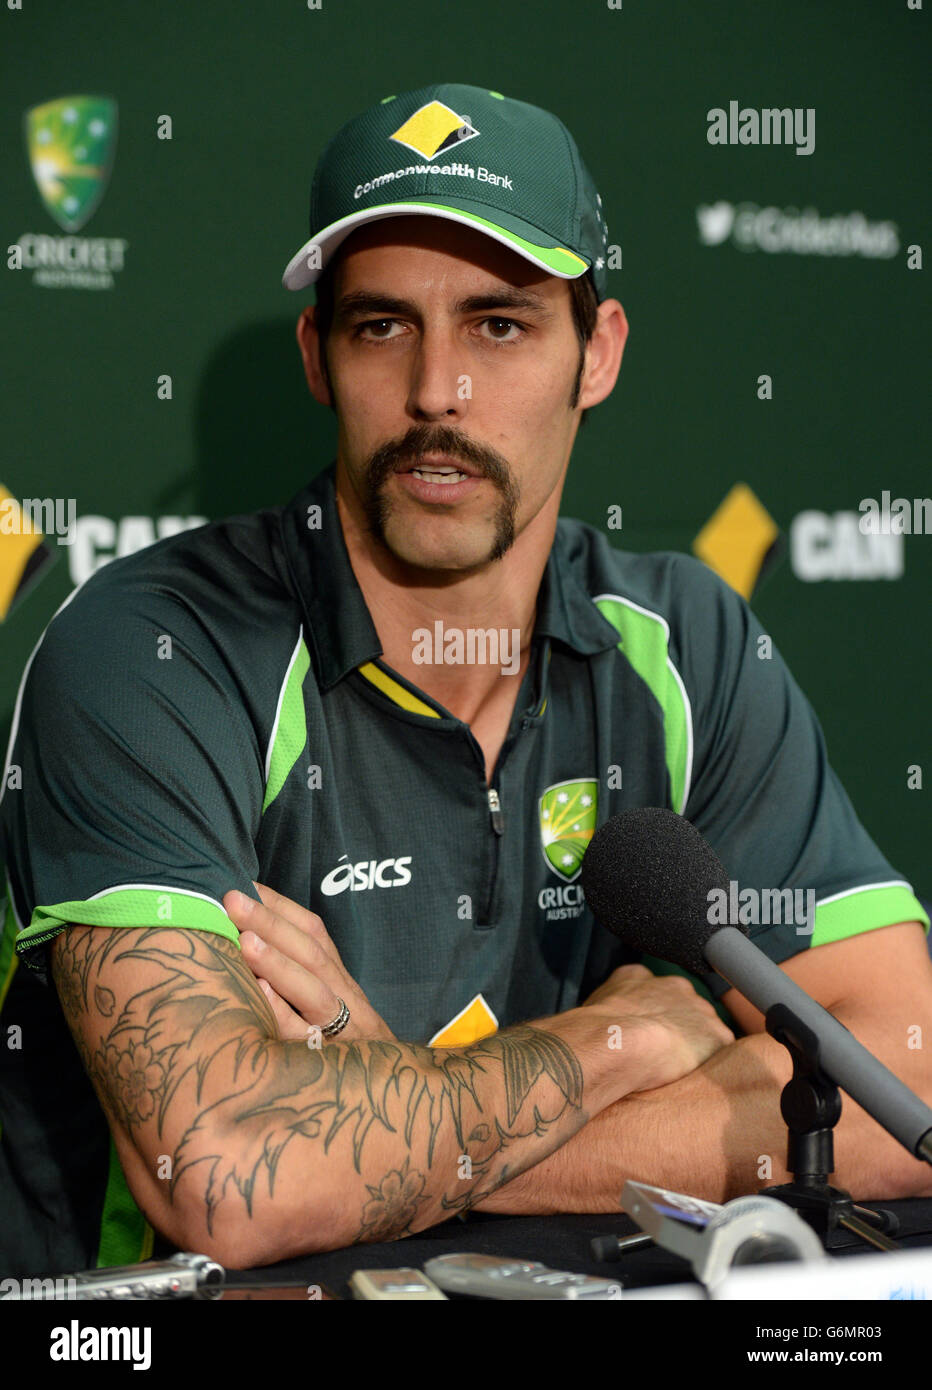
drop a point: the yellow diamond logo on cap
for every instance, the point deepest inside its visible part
(432, 129)
(470, 1024)
(737, 539)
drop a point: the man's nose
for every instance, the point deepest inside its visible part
(440, 386)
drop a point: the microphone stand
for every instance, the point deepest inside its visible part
(811, 1106)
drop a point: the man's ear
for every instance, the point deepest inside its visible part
(314, 366)
(603, 354)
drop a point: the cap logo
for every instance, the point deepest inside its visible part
(433, 128)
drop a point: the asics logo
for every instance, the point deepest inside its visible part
(368, 873)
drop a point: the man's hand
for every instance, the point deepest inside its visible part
(298, 967)
(684, 1028)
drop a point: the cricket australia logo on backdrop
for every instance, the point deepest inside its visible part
(71, 143)
(567, 817)
(433, 129)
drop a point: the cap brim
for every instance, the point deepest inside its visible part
(527, 241)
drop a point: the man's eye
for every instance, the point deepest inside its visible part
(374, 329)
(496, 325)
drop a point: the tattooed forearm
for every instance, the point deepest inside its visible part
(183, 1051)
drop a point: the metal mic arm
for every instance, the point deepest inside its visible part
(811, 1106)
(875, 1088)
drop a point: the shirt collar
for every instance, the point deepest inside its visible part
(340, 632)
(565, 609)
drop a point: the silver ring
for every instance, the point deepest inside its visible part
(331, 1029)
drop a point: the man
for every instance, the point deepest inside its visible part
(298, 842)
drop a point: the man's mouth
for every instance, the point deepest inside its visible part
(436, 475)
(442, 473)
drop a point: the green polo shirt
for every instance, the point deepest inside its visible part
(215, 709)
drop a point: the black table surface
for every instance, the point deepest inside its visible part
(561, 1242)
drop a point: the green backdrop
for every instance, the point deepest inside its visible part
(193, 233)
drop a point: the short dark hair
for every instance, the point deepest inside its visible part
(584, 305)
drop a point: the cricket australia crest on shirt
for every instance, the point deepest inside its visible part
(567, 817)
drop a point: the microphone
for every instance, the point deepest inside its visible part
(647, 875)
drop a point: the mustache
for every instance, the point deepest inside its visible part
(434, 439)
(451, 442)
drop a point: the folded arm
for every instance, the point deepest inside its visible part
(717, 1133)
(242, 1145)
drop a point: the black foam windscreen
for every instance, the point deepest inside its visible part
(646, 875)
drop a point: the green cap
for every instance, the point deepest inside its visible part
(502, 166)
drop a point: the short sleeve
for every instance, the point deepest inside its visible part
(135, 779)
(761, 788)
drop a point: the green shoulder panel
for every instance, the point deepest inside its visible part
(289, 732)
(645, 642)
